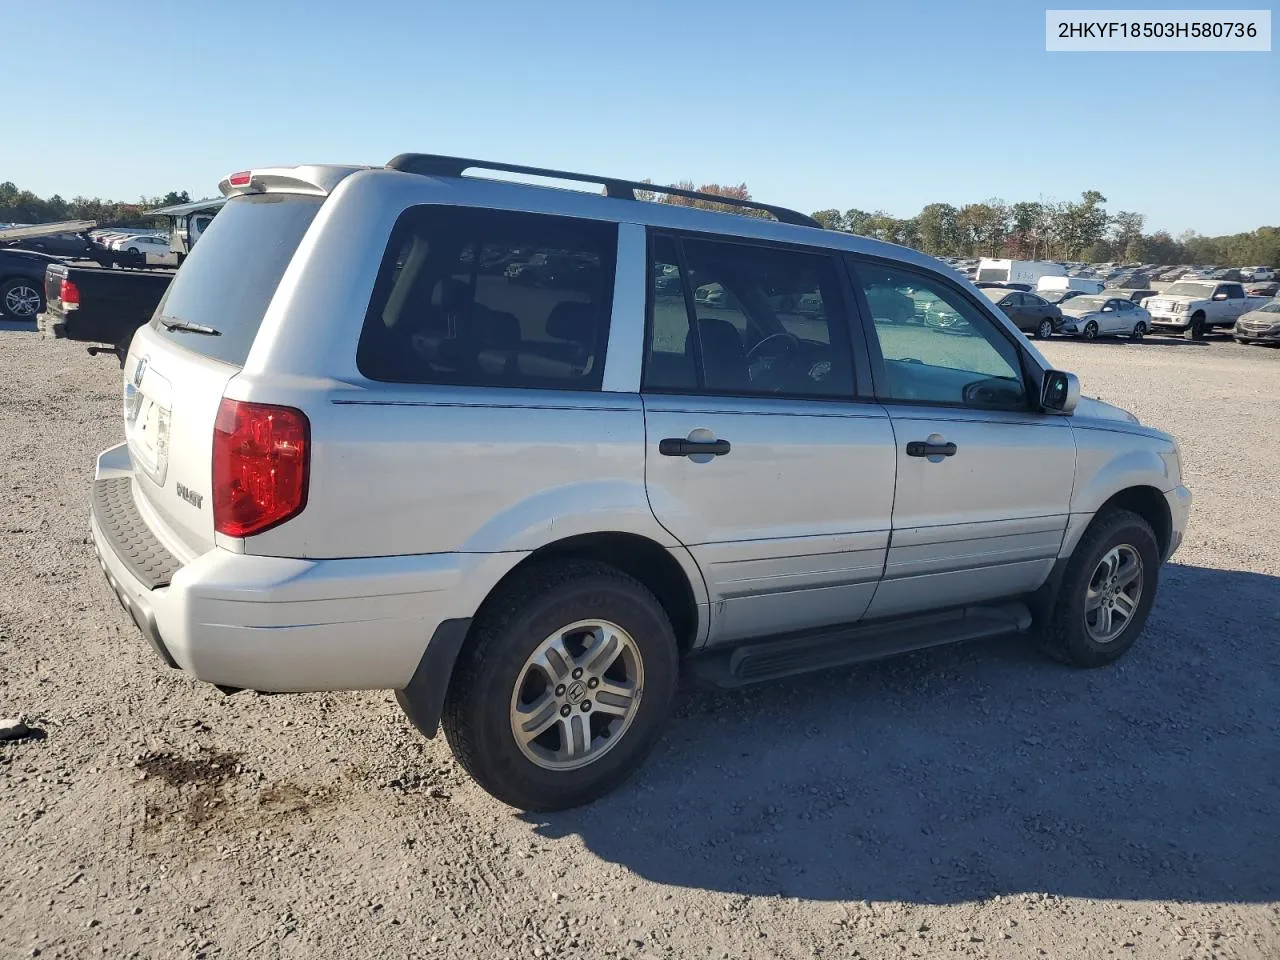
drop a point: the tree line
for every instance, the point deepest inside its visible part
(1054, 230)
(23, 206)
(1029, 230)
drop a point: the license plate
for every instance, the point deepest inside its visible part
(148, 402)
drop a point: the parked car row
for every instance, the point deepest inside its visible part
(1127, 274)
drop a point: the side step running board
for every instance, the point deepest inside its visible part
(795, 654)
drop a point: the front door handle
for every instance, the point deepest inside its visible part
(922, 448)
(679, 447)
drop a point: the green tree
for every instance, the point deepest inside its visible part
(1126, 229)
(830, 219)
(856, 221)
(939, 233)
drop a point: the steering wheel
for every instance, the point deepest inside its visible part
(758, 353)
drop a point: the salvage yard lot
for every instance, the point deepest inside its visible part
(975, 800)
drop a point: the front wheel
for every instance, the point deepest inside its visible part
(1139, 331)
(563, 687)
(1106, 592)
(1195, 329)
(1045, 330)
(1091, 330)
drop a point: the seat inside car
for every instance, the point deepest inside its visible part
(724, 360)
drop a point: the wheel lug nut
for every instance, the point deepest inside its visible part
(593, 683)
(565, 710)
(586, 705)
(560, 690)
(577, 673)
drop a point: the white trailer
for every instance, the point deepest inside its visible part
(1017, 271)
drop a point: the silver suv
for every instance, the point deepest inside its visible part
(523, 454)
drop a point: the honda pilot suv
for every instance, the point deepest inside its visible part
(362, 452)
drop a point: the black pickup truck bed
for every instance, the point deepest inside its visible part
(111, 305)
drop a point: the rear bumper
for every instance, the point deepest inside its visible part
(287, 624)
(51, 326)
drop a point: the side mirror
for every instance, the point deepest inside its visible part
(1059, 391)
(1219, 296)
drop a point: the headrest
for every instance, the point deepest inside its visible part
(573, 321)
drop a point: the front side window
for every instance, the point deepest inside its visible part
(953, 353)
(490, 298)
(742, 319)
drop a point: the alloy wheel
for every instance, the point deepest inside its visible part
(22, 302)
(1114, 592)
(577, 694)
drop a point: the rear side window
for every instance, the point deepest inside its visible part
(491, 298)
(228, 280)
(742, 319)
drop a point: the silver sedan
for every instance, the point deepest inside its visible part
(1102, 316)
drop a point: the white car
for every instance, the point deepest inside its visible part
(141, 243)
(146, 245)
(1258, 274)
(1101, 316)
(1192, 307)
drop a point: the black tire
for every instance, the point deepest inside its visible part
(1066, 637)
(1195, 329)
(509, 628)
(1091, 330)
(1045, 330)
(22, 288)
(1139, 331)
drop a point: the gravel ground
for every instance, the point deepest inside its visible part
(975, 801)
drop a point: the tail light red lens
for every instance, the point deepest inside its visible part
(69, 294)
(261, 461)
(241, 179)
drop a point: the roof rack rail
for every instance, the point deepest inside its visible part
(435, 165)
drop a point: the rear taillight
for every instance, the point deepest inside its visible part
(241, 179)
(261, 455)
(69, 294)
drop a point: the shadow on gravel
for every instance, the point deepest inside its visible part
(17, 326)
(1153, 340)
(972, 771)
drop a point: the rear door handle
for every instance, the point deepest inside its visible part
(922, 448)
(679, 447)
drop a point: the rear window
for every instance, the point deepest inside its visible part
(491, 298)
(993, 274)
(229, 278)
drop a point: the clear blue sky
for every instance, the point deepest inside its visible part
(814, 104)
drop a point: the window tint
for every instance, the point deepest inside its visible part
(1032, 300)
(946, 351)
(230, 277)
(1235, 291)
(489, 298)
(764, 321)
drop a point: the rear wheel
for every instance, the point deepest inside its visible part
(1139, 331)
(563, 687)
(1195, 329)
(1045, 330)
(1106, 592)
(21, 299)
(1091, 330)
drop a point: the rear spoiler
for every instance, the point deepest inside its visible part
(315, 179)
